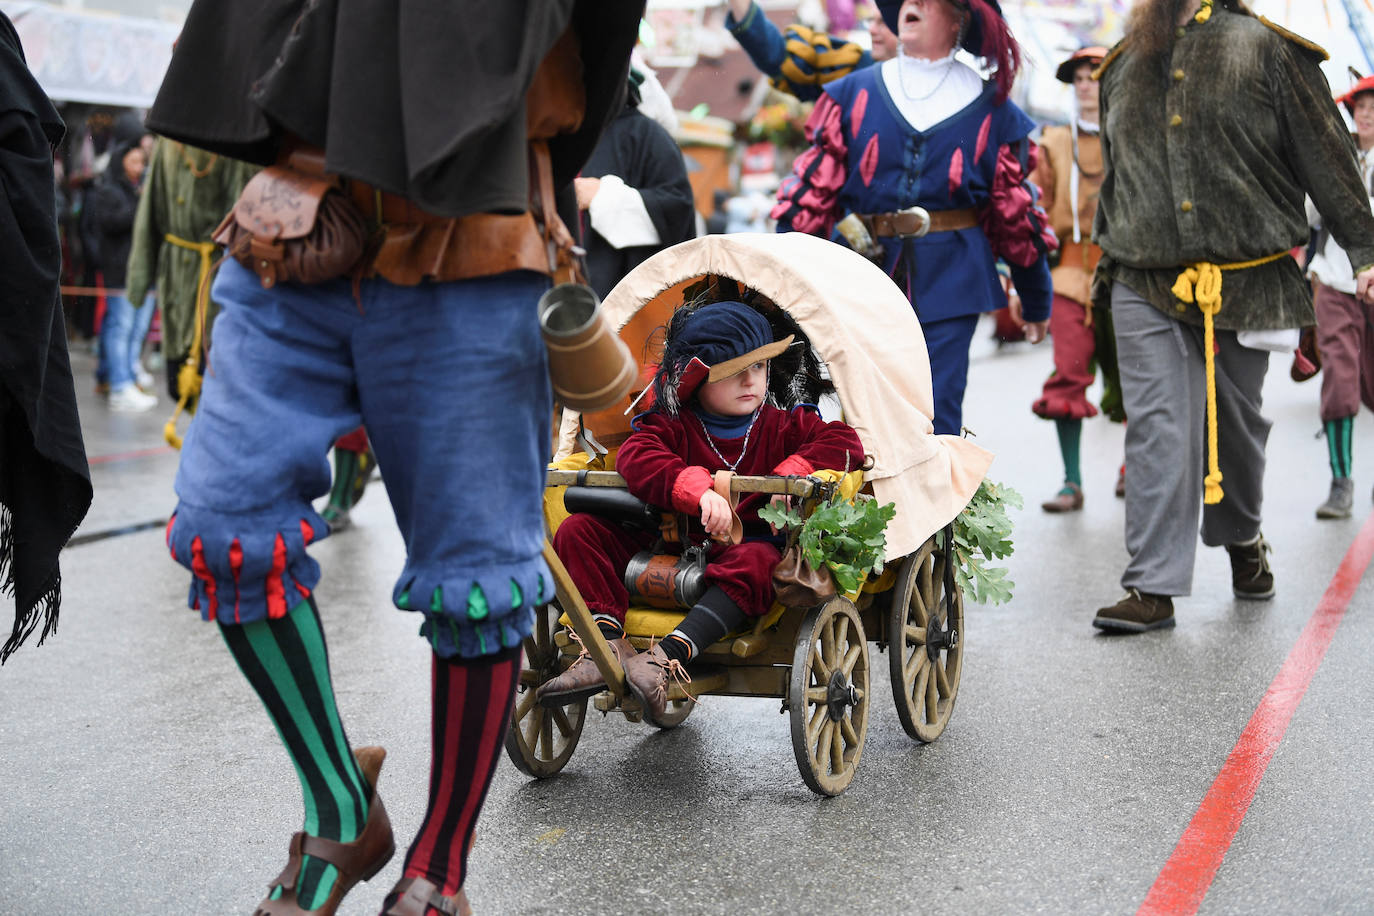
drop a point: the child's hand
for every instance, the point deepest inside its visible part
(779, 501)
(715, 513)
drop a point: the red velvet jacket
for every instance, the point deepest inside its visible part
(668, 461)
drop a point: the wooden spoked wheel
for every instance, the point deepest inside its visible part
(828, 696)
(925, 629)
(541, 739)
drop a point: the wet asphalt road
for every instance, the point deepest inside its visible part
(140, 775)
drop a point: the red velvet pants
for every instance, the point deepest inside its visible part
(1065, 393)
(355, 441)
(596, 552)
(1345, 336)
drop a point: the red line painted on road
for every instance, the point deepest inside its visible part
(127, 456)
(1187, 876)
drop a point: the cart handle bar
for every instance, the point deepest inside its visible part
(791, 486)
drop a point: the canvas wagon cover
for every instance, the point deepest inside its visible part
(863, 328)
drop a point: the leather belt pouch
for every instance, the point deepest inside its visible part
(290, 226)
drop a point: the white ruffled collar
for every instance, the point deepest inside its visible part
(920, 64)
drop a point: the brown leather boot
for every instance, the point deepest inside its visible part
(1068, 499)
(647, 675)
(1136, 612)
(582, 679)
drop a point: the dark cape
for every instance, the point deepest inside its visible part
(423, 98)
(45, 485)
(637, 149)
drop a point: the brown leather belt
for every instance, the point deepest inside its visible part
(1079, 254)
(414, 245)
(914, 222)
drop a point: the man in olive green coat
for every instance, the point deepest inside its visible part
(186, 193)
(1215, 123)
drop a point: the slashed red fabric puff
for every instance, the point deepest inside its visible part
(810, 203)
(1012, 220)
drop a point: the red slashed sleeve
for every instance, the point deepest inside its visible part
(651, 463)
(808, 200)
(1015, 224)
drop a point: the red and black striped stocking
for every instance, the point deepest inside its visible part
(470, 714)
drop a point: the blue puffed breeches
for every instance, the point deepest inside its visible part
(450, 380)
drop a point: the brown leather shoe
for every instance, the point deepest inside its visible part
(1136, 612)
(647, 675)
(582, 679)
(355, 861)
(1068, 499)
(419, 896)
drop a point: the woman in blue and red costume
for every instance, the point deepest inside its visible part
(923, 130)
(713, 398)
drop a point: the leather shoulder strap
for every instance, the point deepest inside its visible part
(720, 482)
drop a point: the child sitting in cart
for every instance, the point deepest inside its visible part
(711, 412)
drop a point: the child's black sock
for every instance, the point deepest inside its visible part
(710, 618)
(609, 626)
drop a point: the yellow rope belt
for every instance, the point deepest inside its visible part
(188, 379)
(1201, 283)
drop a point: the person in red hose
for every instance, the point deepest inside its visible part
(1345, 324)
(1069, 175)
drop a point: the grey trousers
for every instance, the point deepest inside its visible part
(1164, 384)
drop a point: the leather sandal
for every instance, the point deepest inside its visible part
(419, 896)
(355, 861)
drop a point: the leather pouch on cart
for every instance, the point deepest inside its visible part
(293, 227)
(796, 583)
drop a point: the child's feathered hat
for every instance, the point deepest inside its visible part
(1094, 55)
(710, 343)
(986, 35)
(1362, 85)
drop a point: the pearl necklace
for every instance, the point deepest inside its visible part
(744, 448)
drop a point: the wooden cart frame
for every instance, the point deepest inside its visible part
(815, 660)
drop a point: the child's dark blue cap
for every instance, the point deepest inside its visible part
(721, 340)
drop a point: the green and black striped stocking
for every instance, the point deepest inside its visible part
(287, 664)
(346, 469)
(1338, 445)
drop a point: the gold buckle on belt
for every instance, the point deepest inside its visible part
(921, 214)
